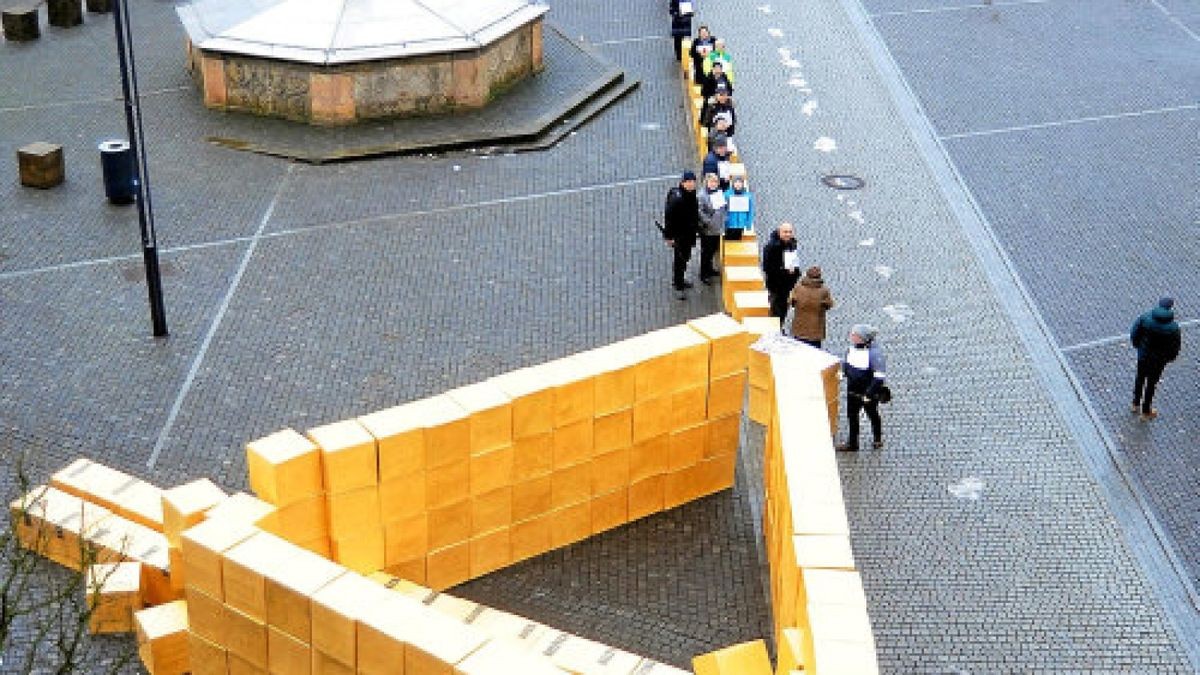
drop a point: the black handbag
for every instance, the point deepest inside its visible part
(884, 394)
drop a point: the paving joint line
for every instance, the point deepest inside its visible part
(177, 405)
(1156, 555)
(959, 8)
(622, 41)
(1100, 342)
(1175, 20)
(1078, 120)
(85, 101)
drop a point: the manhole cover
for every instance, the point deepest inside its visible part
(843, 181)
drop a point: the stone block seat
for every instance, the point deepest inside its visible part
(40, 165)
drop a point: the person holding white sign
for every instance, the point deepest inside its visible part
(702, 44)
(718, 158)
(741, 209)
(781, 267)
(713, 212)
(681, 23)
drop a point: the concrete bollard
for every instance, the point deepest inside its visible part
(65, 13)
(21, 24)
(40, 165)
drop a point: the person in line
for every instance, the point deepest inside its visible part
(708, 88)
(681, 24)
(1157, 338)
(722, 104)
(810, 300)
(864, 367)
(681, 219)
(719, 54)
(719, 129)
(781, 268)
(701, 46)
(716, 159)
(741, 208)
(713, 211)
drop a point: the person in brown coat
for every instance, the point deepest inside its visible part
(810, 299)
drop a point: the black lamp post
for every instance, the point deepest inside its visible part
(137, 147)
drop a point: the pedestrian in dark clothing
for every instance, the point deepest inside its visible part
(713, 212)
(864, 368)
(717, 161)
(701, 46)
(682, 225)
(810, 299)
(722, 105)
(681, 24)
(708, 87)
(781, 268)
(1157, 339)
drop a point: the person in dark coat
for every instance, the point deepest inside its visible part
(681, 24)
(715, 157)
(1157, 338)
(708, 88)
(722, 105)
(810, 299)
(864, 368)
(701, 46)
(780, 268)
(682, 225)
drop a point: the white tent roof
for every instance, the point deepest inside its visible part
(343, 31)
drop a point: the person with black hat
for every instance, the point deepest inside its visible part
(702, 44)
(681, 219)
(708, 88)
(863, 367)
(1157, 339)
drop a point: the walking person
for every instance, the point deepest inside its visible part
(714, 210)
(863, 367)
(1157, 338)
(781, 267)
(810, 299)
(681, 217)
(681, 24)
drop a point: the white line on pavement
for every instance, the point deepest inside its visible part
(621, 41)
(1175, 20)
(1078, 120)
(165, 432)
(958, 8)
(1100, 342)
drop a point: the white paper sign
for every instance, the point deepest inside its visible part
(723, 170)
(791, 260)
(739, 203)
(685, 8)
(729, 144)
(717, 199)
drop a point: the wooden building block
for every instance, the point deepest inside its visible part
(686, 447)
(383, 630)
(831, 587)
(748, 658)
(40, 164)
(65, 13)
(89, 480)
(162, 635)
(411, 570)
(532, 398)
(240, 666)
(489, 552)
(740, 253)
(759, 409)
(724, 436)
(579, 655)
(571, 524)
(123, 539)
(610, 471)
(203, 546)
(646, 497)
(20, 24)
(448, 566)
(402, 498)
(489, 412)
(244, 509)
(336, 607)
(573, 443)
(206, 657)
(450, 524)
(113, 596)
(286, 655)
(353, 511)
(290, 587)
(405, 539)
(447, 433)
(139, 501)
(323, 664)
(284, 467)
(533, 456)
(790, 650)
(652, 417)
(532, 498)
(689, 406)
(653, 372)
(571, 485)
(60, 526)
(573, 380)
(303, 520)
(184, 506)
(244, 568)
(649, 457)
(491, 470)
(613, 431)
(492, 510)
(610, 510)
(751, 303)
(615, 386)
(400, 439)
(246, 638)
(833, 624)
(530, 537)
(447, 483)
(503, 658)
(726, 396)
(690, 354)
(349, 457)
(823, 551)
(437, 643)
(740, 278)
(206, 616)
(728, 343)
(361, 551)
(509, 629)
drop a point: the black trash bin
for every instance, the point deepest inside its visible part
(116, 160)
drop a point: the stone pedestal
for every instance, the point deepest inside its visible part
(21, 24)
(99, 6)
(65, 13)
(41, 165)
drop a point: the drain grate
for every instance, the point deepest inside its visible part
(843, 181)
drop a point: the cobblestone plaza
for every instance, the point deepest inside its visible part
(1031, 182)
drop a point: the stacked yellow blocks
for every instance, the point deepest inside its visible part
(451, 487)
(820, 612)
(768, 340)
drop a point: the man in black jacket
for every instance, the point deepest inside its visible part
(1157, 339)
(781, 268)
(682, 225)
(681, 24)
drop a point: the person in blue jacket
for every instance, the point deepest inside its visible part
(739, 220)
(1157, 339)
(864, 367)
